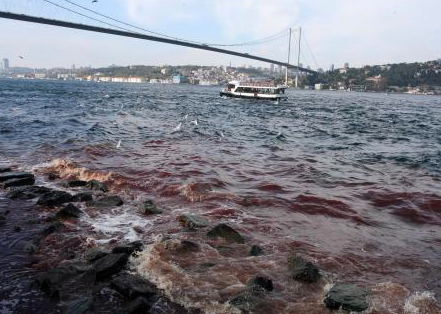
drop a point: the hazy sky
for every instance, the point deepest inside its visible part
(337, 31)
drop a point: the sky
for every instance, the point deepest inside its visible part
(359, 32)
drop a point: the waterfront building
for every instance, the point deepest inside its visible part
(5, 64)
(346, 66)
(179, 79)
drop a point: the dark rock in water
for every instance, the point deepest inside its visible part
(256, 250)
(248, 301)
(138, 306)
(82, 197)
(17, 182)
(52, 280)
(107, 201)
(27, 192)
(188, 246)
(349, 297)
(192, 221)
(260, 283)
(52, 228)
(30, 247)
(132, 286)
(129, 248)
(94, 254)
(80, 306)
(54, 198)
(109, 265)
(227, 233)
(51, 176)
(163, 305)
(302, 270)
(74, 183)
(97, 185)
(207, 265)
(148, 207)
(17, 228)
(181, 246)
(5, 169)
(70, 210)
(15, 175)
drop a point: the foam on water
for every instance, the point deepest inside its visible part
(178, 285)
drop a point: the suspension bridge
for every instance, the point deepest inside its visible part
(155, 36)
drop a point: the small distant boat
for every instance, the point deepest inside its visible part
(254, 90)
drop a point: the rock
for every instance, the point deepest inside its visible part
(82, 197)
(129, 248)
(27, 192)
(132, 286)
(260, 283)
(349, 297)
(188, 246)
(138, 306)
(15, 175)
(74, 183)
(162, 305)
(149, 208)
(79, 306)
(51, 176)
(54, 198)
(52, 228)
(93, 254)
(30, 247)
(18, 182)
(109, 265)
(70, 210)
(17, 228)
(192, 221)
(97, 185)
(107, 201)
(52, 280)
(248, 301)
(227, 233)
(256, 250)
(5, 169)
(302, 270)
(181, 246)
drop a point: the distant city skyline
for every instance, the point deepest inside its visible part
(338, 32)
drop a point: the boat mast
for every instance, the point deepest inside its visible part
(289, 54)
(298, 58)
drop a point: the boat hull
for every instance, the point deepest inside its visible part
(248, 96)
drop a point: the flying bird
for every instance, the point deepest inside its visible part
(177, 128)
(93, 1)
(21, 57)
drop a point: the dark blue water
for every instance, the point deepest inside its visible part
(351, 180)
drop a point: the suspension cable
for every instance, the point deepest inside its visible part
(249, 43)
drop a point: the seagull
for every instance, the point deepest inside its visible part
(195, 122)
(186, 117)
(178, 128)
(21, 57)
(93, 1)
(119, 144)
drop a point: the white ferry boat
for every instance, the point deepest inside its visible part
(254, 90)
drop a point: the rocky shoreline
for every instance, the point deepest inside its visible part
(97, 279)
